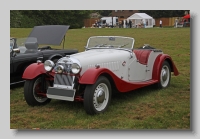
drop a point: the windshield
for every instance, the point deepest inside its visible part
(24, 43)
(110, 42)
(11, 43)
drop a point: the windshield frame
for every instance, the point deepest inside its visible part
(119, 48)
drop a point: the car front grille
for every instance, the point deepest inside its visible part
(63, 79)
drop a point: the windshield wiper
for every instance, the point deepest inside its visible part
(100, 45)
(123, 45)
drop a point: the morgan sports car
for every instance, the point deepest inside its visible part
(108, 65)
(25, 51)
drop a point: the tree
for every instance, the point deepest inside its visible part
(103, 12)
(31, 18)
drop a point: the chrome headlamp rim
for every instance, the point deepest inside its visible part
(48, 65)
(60, 69)
(75, 68)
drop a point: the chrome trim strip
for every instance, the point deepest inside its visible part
(17, 82)
(63, 86)
(60, 97)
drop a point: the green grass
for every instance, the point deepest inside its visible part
(146, 108)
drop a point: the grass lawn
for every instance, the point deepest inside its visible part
(146, 108)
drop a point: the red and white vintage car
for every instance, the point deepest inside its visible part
(109, 64)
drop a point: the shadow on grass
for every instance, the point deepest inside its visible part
(116, 99)
(18, 85)
(135, 93)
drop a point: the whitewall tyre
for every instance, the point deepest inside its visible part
(165, 75)
(97, 97)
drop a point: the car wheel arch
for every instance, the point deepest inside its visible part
(95, 78)
(158, 65)
(56, 56)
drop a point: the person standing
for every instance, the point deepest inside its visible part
(130, 24)
(122, 23)
(144, 23)
(126, 23)
(160, 23)
(176, 22)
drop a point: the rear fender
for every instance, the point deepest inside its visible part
(33, 71)
(158, 65)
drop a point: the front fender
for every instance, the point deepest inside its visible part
(90, 76)
(158, 65)
(33, 71)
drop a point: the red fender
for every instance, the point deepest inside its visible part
(158, 65)
(33, 71)
(91, 75)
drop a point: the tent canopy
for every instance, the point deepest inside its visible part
(137, 18)
(140, 16)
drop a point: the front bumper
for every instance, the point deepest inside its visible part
(61, 93)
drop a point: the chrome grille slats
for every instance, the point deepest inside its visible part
(63, 79)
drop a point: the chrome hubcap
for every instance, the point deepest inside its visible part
(164, 76)
(101, 96)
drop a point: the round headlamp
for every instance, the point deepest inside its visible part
(75, 68)
(48, 65)
(60, 69)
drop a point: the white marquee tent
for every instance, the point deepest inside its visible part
(137, 18)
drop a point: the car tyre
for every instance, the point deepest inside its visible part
(165, 75)
(55, 60)
(97, 96)
(30, 89)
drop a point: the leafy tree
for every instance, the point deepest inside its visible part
(104, 12)
(31, 18)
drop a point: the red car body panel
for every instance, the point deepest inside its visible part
(91, 75)
(158, 63)
(33, 71)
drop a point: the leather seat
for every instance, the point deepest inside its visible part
(142, 55)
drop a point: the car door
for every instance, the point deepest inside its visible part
(136, 71)
(12, 79)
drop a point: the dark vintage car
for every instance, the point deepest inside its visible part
(25, 51)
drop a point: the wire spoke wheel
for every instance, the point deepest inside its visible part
(36, 90)
(33, 93)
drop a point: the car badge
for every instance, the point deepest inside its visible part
(124, 63)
